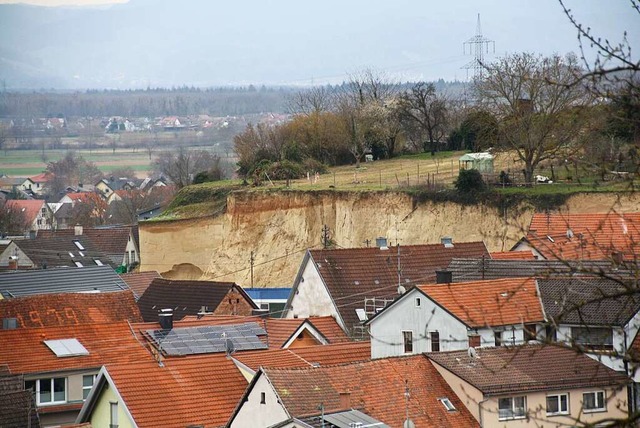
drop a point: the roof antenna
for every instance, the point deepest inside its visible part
(401, 289)
(408, 423)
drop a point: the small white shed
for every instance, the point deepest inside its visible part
(483, 162)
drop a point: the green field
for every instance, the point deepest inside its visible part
(22, 163)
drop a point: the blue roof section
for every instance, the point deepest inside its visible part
(268, 293)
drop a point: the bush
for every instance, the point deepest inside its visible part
(469, 180)
(284, 170)
(312, 166)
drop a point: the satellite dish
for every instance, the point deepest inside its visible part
(401, 290)
(472, 352)
(408, 424)
(228, 347)
(569, 233)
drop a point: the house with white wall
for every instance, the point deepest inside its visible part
(355, 283)
(597, 315)
(447, 317)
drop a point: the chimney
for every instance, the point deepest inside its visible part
(165, 317)
(447, 241)
(345, 400)
(381, 243)
(444, 277)
(77, 230)
(32, 234)
(9, 323)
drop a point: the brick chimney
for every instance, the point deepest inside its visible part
(345, 400)
(77, 230)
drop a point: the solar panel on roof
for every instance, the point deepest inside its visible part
(208, 339)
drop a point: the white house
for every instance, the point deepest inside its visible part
(355, 283)
(447, 317)
(597, 315)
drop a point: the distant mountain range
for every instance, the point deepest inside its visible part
(203, 43)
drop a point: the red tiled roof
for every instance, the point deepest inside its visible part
(139, 281)
(306, 357)
(46, 310)
(377, 388)
(43, 177)
(28, 207)
(353, 274)
(198, 390)
(513, 255)
(489, 303)
(528, 368)
(24, 351)
(591, 236)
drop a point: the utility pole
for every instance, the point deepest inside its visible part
(477, 45)
(325, 237)
(252, 259)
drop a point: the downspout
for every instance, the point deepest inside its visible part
(480, 411)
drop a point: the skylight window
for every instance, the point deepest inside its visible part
(79, 245)
(447, 404)
(99, 263)
(71, 254)
(79, 264)
(81, 253)
(66, 347)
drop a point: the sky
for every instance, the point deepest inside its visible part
(53, 3)
(138, 43)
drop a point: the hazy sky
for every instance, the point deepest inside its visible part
(64, 2)
(215, 42)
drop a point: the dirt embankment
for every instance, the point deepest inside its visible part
(279, 226)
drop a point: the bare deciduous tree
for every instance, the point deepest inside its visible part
(427, 111)
(540, 114)
(181, 165)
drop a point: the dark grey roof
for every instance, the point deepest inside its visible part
(344, 419)
(589, 301)
(17, 405)
(56, 251)
(478, 269)
(60, 280)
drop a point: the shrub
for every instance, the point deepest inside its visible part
(312, 166)
(469, 180)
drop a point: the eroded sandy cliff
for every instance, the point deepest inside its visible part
(279, 226)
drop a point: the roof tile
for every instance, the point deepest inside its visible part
(489, 303)
(528, 368)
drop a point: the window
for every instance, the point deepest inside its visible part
(87, 383)
(435, 341)
(474, 341)
(113, 417)
(49, 390)
(98, 262)
(498, 337)
(66, 347)
(264, 306)
(593, 402)
(530, 332)
(447, 404)
(550, 333)
(78, 264)
(511, 408)
(263, 398)
(593, 337)
(558, 404)
(407, 338)
(418, 302)
(79, 245)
